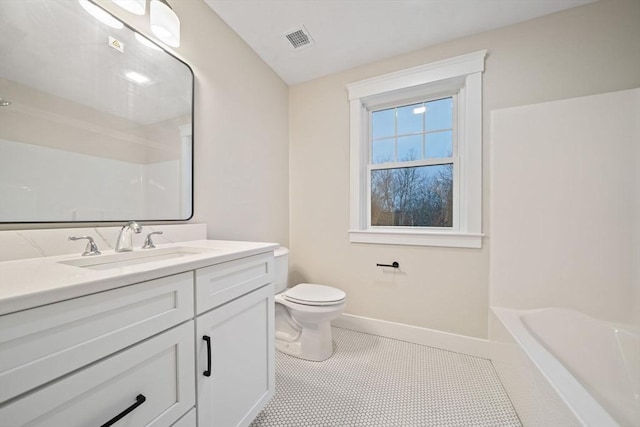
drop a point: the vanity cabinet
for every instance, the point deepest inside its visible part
(235, 341)
(131, 351)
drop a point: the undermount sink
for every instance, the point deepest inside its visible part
(127, 259)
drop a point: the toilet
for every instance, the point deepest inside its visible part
(303, 314)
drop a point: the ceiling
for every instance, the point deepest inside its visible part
(349, 33)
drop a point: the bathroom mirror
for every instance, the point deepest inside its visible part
(96, 121)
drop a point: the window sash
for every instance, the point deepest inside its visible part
(456, 194)
(404, 103)
(454, 160)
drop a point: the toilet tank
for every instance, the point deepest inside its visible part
(281, 268)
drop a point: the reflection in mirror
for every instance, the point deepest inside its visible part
(95, 121)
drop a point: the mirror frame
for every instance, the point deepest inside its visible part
(192, 162)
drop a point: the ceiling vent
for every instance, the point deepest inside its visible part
(299, 38)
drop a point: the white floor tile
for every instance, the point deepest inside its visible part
(376, 381)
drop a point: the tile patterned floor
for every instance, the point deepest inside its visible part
(375, 381)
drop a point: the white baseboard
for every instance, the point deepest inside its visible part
(414, 334)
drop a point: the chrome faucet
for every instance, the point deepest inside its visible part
(125, 238)
(148, 243)
(91, 249)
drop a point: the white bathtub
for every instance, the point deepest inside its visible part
(590, 367)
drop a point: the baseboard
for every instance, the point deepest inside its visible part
(444, 340)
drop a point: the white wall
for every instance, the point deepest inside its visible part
(565, 206)
(586, 50)
(241, 128)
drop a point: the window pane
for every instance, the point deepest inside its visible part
(383, 151)
(412, 197)
(409, 148)
(439, 144)
(383, 123)
(439, 114)
(410, 119)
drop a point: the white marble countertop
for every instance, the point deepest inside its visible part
(34, 282)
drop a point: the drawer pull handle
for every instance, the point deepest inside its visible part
(207, 339)
(140, 399)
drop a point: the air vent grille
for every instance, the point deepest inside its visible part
(299, 37)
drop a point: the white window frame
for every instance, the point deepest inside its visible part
(460, 76)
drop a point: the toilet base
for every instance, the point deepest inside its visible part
(313, 343)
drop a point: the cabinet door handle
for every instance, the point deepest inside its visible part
(207, 339)
(140, 399)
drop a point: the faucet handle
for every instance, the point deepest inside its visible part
(148, 243)
(91, 248)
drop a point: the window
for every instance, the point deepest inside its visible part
(411, 165)
(416, 155)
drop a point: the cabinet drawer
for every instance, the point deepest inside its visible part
(161, 369)
(44, 343)
(220, 283)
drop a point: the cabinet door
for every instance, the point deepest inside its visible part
(240, 349)
(153, 380)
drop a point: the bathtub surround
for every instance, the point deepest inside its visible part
(579, 161)
(572, 238)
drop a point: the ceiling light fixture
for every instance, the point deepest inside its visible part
(419, 110)
(139, 7)
(101, 15)
(165, 23)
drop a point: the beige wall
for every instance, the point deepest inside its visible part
(585, 50)
(241, 128)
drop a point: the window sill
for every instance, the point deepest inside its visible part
(447, 239)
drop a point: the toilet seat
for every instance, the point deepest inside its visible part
(314, 295)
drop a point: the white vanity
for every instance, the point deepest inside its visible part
(179, 335)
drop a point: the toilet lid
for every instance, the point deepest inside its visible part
(310, 294)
